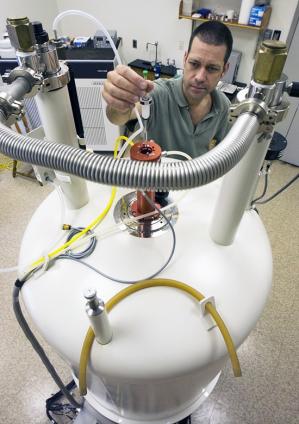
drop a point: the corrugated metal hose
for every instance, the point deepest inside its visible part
(102, 169)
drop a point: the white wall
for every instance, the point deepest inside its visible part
(149, 20)
(153, 20)
(35, 10)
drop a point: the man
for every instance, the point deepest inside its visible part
(187, 113)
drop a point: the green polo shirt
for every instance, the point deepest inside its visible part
(170, 123)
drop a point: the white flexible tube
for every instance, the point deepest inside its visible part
(176, 153)
(126, 144)
(62, 233)
(61, 201)
(102, 28)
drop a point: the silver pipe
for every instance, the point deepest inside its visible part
(18, 88)
(134, 174)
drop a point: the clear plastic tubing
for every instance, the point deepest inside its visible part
(90, 17)
(101, 27)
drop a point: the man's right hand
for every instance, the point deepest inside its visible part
(123, 88)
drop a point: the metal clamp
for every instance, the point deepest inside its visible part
(254, 106)
(267, 117)
(34, 79)
(276, 114)
(281, 110)
(10, 108)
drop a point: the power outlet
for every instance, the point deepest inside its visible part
(134, 44)
(276, 34)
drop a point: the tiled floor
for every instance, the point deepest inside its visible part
(268, 392)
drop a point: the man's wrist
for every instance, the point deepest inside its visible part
(118, 117)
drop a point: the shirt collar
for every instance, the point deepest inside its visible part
(178, 92)
(181, 99)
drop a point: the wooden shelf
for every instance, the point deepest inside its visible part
(264, 25)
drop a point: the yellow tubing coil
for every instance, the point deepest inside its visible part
(158, 282)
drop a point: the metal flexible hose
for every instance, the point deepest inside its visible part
(135, 174)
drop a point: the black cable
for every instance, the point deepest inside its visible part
(71, 385)
(89, 249)
(262, 202)
(36, 345)
(265, 184)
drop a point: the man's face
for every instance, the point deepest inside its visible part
(203, 68)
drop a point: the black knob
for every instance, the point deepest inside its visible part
(40, 34)
(294, 91)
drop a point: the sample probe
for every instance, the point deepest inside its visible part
(145, 102)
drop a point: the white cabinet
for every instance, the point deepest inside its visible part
(99, 133)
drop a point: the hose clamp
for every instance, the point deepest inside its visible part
(59, 80)
(254, 106)
(34, 79)
(266, 116)
(280, 111)
(275, 114)
(11, 109)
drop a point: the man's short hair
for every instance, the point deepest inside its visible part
(216, 33)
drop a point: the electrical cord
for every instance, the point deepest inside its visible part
(87, 251)
(109, 277)
(36, 345)
(265, 184)
(262, 202)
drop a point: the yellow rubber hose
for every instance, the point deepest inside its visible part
(158, 282)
